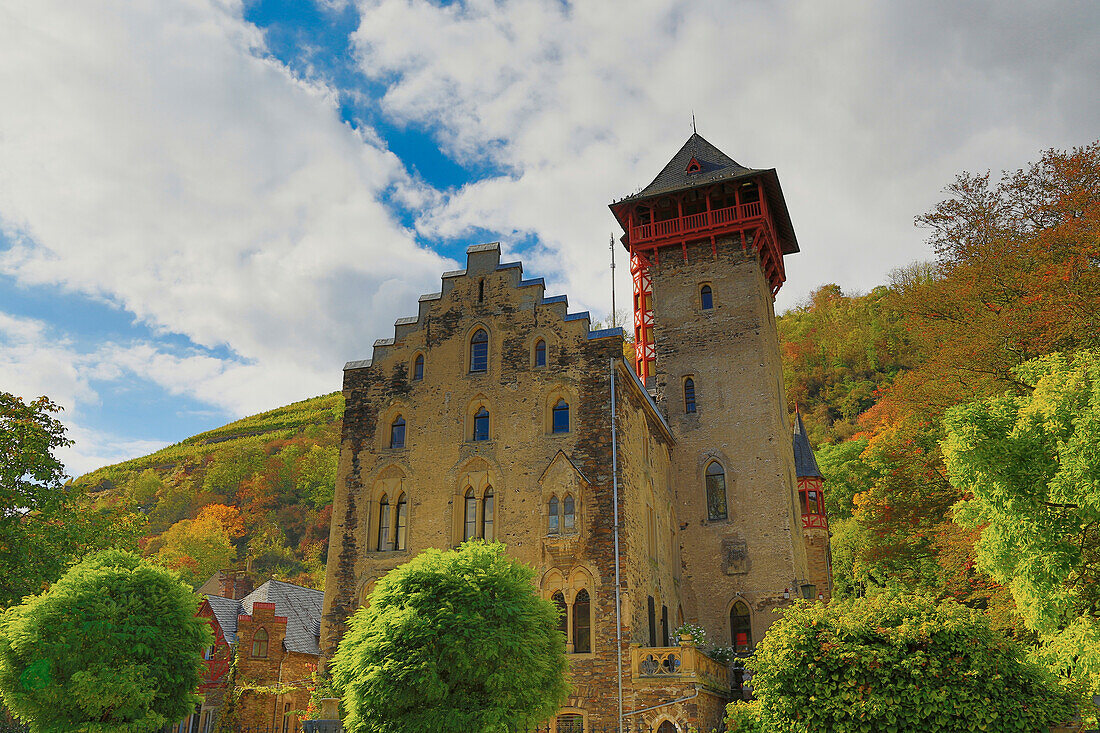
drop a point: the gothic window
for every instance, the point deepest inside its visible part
(652, 609)
(402, 523)
(469, 527)
(383, 523)
(259, 644)
(741, 626)
(540, 353)
(561, 417)
(481, 424)
(582, 623)
(569, 517)
(664, 626)
(716, 491)
(397, 432)
(667, 727)
(555, 521)
(706, 297)
(689, 395)
(418, 367)
(479, 351)
(570, 723)
(558, 599)
(487, 514)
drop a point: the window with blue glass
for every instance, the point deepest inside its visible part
(418, 367)
(397, 433)
(706, 297)
(540, 353)
(479, 351)
(689, 395)
(561, 417)
(481, 424)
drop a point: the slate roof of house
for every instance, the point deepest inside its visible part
(301, 606)
(716, 166)
(805, 465)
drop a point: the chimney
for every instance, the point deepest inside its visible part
(236, 584)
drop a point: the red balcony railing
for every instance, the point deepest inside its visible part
(693, 223)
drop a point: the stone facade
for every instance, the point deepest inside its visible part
(440, 444)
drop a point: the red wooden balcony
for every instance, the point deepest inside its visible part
(701, 222)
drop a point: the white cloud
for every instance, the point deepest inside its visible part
(151, 154)
(867, 110)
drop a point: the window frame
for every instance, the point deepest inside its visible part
(260, 643)
(488, 514)
(418, 368)
(469, 524)
(539, 357)
(477, 346)
(706, 297)
(398, 424)
(689, 395)
(712, 516)
(383, 523)
(559, 408)
(481, 417)
(746, 628)
(401, 523)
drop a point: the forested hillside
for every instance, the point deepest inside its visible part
(258, 489)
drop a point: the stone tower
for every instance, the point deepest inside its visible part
(815, 525)
(706, 240)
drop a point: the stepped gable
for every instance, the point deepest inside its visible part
(481, 260)
(302, 608)
(805, 465)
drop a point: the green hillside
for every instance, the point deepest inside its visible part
(258, 489)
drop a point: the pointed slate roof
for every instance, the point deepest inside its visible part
(805, 465)
(226, 611)
(716, 166)
(302, 608)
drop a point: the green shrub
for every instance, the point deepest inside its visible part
(896, 663)
(113, 647)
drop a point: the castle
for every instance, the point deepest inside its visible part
(494, 412)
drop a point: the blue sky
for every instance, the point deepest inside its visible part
(208, 206)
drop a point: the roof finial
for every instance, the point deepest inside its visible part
(693, 123)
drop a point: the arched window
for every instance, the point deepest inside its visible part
(689, 395)
(561, 417)
(563, 613)
(540, 353)
(667, 727)
(487, 514)
(569, 517)
(582, 623)
(652, 609)
(479, 351)
(716, 491)
(570, 723)
(259, 644)
(418, 367)
(402, 523)
(397, 432)
(741, 626)
(554, 527)
(469, 527)
(481, 424)
(706, 297)
(383, 523)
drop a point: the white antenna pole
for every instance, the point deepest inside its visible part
(613, 323)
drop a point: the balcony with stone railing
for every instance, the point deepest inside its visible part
(675, 664)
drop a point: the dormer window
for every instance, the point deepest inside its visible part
(694, 166)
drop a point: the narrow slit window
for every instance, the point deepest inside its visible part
(689, 395)
(469, 527)
(664, 627)
(706, 297)
(487, 514)
(561, 417)
(582, 623)
(397, 433)
(716, 491)
(481, 291)
(402, 523)
(554, 527)
(383, 523)
(569, 517)
(418, 367)
(481, 424)
(540, 353)
(652, 611)
(479, 351)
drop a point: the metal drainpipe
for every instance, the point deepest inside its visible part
(615, 513)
